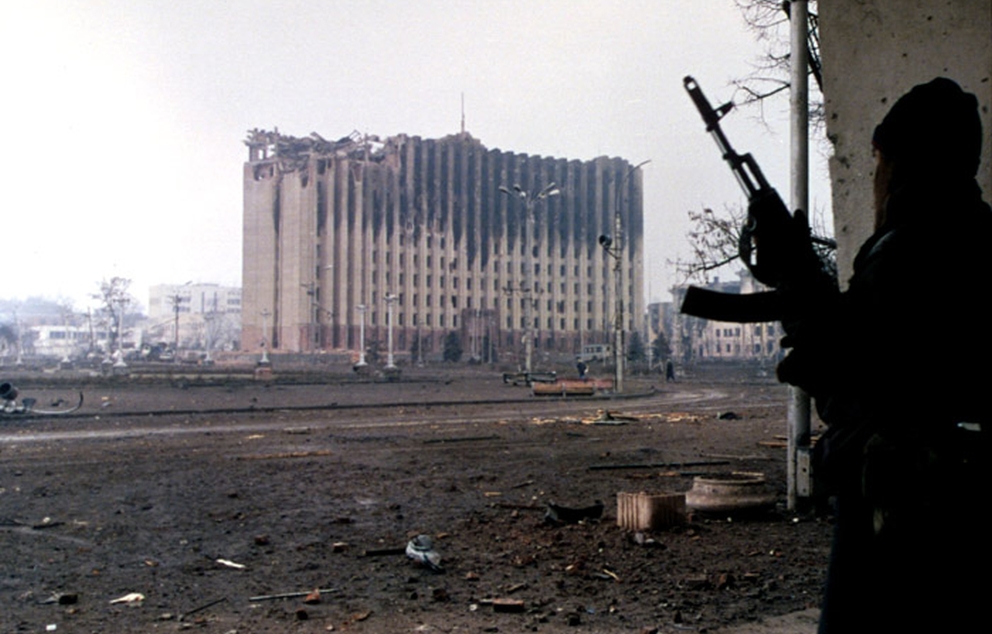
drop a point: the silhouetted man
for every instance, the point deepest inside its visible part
(906, 455)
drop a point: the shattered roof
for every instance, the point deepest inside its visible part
(276, 145)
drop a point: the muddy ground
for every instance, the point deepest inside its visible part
(207, 495)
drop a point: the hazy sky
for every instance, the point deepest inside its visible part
(125, 119)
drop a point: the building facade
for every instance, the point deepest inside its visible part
(442, 235)
(697, 339)
(195, 316)
(165, 300)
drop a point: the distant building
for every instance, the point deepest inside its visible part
(194, 316)
(332, 226)
(192, 299)
(693, 338)
(659, 323)
(75, 341)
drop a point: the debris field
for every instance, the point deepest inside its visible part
(443, 503)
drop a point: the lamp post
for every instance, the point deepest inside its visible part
(265, 329)
(528, 285)
(175, 299)
(361, 308)
(420, 348)
(20, 348)
(614, 247)
(65, 363)
(321, 338)
(210, 333)
(119, 364)
(313, 317)
(390, 300)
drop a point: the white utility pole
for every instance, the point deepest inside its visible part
(390, 300)
(799, 406)
(528, 285)
(361, 308)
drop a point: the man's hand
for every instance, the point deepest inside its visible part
(776, 245)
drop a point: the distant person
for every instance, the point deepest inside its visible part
(582, 368)
(906, 454)
(669, 371)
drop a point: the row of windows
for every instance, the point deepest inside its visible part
(496, 286)
(442, 302)
(429, 244)
(428, 320)
(736, 332)
(550, 323)
(726, 349)
(453, 265)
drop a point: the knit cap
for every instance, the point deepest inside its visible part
(933, 129)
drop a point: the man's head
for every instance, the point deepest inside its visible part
(932, 130)
(932, 134)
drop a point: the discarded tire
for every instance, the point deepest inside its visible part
(736, 491)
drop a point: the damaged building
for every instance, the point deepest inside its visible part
(697, 339)
(336, 230)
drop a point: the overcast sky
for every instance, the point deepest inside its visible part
(125, 119)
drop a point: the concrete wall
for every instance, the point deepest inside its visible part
(873, 52)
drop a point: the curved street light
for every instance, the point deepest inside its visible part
(528, 285)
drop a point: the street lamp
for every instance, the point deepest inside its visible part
(20, 347)
(119, 364)
(210, 327)
(390, 300)
(176, 299)
(313, 319)
(312, 289)
(614, 247)
(70, 339)
(361, 308)
(528, 286)
(265, 329)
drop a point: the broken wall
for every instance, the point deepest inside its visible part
(873, 52)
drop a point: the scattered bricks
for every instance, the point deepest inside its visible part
(645, 511)
(508, 605)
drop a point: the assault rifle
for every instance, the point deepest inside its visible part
(786, 239)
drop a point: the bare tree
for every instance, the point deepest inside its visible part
(114, 299)
(769, 21)
(714, 239)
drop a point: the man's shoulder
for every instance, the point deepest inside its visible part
(948, 234)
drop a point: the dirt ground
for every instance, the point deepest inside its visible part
(206, 496)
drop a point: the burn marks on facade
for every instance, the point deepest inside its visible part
(350, 221)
